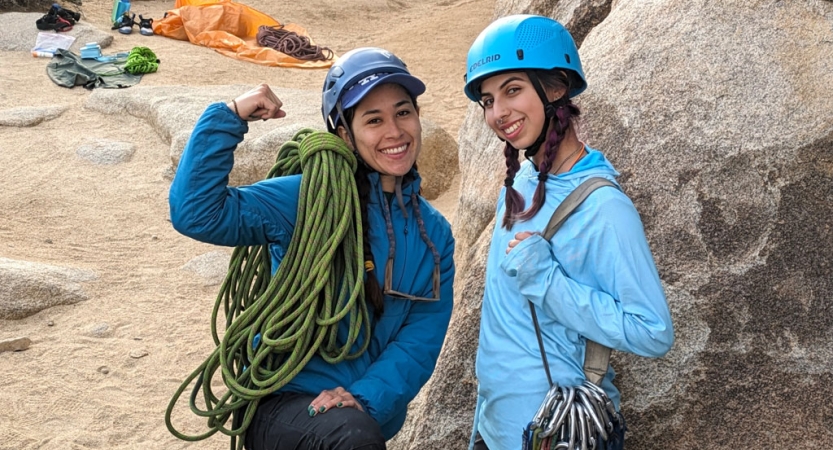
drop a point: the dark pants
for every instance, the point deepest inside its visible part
(616, 442)
(282, 422)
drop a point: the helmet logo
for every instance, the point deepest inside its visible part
(367, 79)
(484, 61)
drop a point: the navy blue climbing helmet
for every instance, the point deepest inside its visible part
(522, 42)
(355, 74)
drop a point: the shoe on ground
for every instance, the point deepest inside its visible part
(125, 23)
(145, 26)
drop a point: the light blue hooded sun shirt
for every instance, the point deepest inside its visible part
(595, 280)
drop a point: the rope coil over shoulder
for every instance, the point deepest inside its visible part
(275, 324)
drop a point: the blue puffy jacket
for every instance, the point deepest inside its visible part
(406, 339)
(595, 280)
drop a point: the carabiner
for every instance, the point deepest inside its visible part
(584, 425)
(592, 410)
(546, 406)
(573, 426)
(560, 412)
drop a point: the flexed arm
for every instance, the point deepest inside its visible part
(203, 207)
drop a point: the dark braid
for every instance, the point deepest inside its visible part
(562, 120)
(560, 124)
(372, 290)
(513, 200)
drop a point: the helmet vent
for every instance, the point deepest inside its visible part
(530, 35)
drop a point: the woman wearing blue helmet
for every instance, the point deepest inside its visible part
(594, 281)
(369, 99)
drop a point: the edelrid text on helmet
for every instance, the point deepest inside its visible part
(484, 61)
(522, 42)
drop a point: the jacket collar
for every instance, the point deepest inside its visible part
(410, 184)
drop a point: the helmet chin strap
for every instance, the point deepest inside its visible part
(343, 120)
(550, 109)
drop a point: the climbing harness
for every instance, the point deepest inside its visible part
(276, 324)
(141, 60)
(573, 417)
(292, 44)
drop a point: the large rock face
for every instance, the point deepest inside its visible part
(719, 115)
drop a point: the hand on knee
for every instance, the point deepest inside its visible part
(333, 398)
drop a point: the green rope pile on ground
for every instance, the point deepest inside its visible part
(294, 314)
(141, 60)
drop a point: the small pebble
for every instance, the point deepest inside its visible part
(50, 323)
(48, 241)
(104, 369)
(154, 237)
(100, 330)
(136, 354)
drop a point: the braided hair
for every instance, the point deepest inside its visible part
(561, 120)
(372, 290)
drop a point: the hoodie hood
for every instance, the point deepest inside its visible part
(593, 164)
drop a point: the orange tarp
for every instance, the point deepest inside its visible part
(231, 29)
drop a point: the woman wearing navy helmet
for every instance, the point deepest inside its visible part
(369, 99)
(594, 281)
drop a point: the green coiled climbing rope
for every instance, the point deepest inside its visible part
(141, 60)
(295, 313)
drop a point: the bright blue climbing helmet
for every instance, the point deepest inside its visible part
(356, 73)
(522, 42)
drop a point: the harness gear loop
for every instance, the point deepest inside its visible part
(274, 324)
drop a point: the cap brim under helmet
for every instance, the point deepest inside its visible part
(356, 93)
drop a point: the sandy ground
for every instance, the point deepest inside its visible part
(99, 374)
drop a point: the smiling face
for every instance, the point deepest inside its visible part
(513, 109)
(387, 131)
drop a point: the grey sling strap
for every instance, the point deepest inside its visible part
(596, 356)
